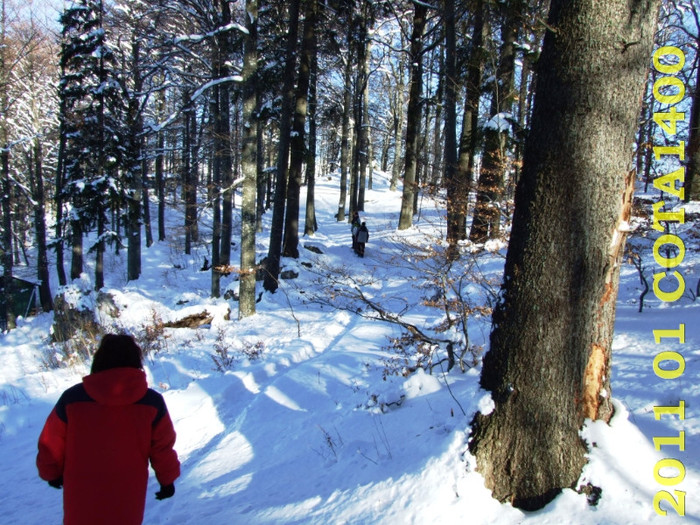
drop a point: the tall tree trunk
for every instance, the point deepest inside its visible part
(486, 222)
(298, 148)
(59, 196)
(215, 189)
(522, 119)
(359, 41)
(7, 260)
(6, 204)
(469, 137)
(223, 134)
(272, 266)
(450, 156)
(42, 259)
(189, 171)
(160, 159)
(414, 117)
(222, 172)
(436, 167)
(548, 367)
(249, 164)
(135, 168)
(262, 177)
(310, 225)
(345, 135)
(398, 124)
(146, 201)
(364, 140)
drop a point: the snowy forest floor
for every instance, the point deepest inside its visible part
(313, 430)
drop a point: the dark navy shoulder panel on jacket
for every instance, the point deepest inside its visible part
(75, 394)
(155, 400)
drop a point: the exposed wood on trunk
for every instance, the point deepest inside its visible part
(548, 367)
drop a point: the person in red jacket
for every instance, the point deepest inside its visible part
(100, 436)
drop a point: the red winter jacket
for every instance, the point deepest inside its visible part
(99, 437)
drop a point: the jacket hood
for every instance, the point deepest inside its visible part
(117, 386)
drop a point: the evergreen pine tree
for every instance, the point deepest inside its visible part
(90, 93)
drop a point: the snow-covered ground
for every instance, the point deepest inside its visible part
(311, 431)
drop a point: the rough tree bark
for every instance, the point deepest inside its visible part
(6, 203)
(290, 246)
(469, 137)
(548, 367)
(365, 142)
(274, 253)
(450, 156)
(135, 175)
(223, 133)
(310, 223)
(249, 165)
(189, 170)
(487, 211)
(398, 105)
(413, 117)
(346, 131)
(159, 171)
(359, 155)
(59, 196)
(40, 226)
(222, 168)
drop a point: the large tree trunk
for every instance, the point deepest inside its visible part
(249, 164)
(413, 117)
(291, 226)
(548, 367)
(274, 253)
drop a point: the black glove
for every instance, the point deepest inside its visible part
(166, 491)
(57, 483)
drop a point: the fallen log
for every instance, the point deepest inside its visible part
(191, 321)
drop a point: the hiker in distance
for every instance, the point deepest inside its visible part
(100, 436)
(354, 228)
(362, 237)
